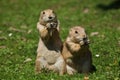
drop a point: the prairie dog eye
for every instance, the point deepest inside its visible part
(43, 12)
(76, 32)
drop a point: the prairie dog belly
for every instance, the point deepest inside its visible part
(51, 56)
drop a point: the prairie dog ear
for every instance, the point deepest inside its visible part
(53, 11)
(70, 31)
(41, 15)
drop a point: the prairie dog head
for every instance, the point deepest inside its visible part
(47, 15)
(78, 35)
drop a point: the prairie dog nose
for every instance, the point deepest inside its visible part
(84, 38)
(50, 17)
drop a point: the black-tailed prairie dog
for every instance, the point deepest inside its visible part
(50, 45)
(76, 51)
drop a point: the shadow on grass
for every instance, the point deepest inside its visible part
(113, 5)
(93, 69)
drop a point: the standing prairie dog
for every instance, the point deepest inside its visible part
(76, 52)
(50, 45)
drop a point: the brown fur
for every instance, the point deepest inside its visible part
(76, 51)
(50, 45)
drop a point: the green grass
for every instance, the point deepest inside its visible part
(19, 18)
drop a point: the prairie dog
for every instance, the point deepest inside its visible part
(76, 51)
(50, 45)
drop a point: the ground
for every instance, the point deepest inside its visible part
(19, 36)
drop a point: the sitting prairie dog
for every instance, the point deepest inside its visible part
(76, 52)
(50, 45)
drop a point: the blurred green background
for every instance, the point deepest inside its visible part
(19, 36)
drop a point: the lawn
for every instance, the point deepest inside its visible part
(19, 36)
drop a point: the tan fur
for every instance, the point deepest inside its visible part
(50, 45)
(76, 51)
(49, 19)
